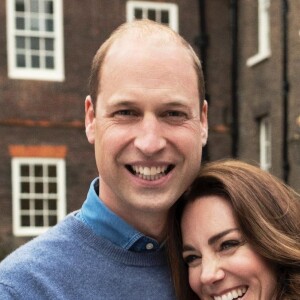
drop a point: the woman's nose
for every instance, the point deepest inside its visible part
(211, 271)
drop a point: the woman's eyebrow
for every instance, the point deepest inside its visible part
(211, 240)
(187, 248)
(215, 238)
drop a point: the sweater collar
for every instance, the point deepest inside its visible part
(105, 223)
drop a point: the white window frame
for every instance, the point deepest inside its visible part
(264, 43)
(157, 6)
(60, 196)
(29, 73)
(265, 145)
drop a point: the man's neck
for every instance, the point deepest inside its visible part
(154, 226)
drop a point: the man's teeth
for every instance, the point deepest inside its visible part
(150, 173)
(234, 294)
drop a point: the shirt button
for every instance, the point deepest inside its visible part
(149, 246)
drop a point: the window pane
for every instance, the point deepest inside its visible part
(48, 7)
(52, 205)
(25, 221)
(39, 187)
(20, 42)
(52, 220)
(34, 43)
(138, 13)
(20, 5)
(49, 25)
(152, 14)
(49, 62)
(25, 204)
(38, 204)
(25, 187)
(21, 60)
(20, 23)
(34, 6)
(39, 221)
(38, 171)
(34, 24)
(52, 188)
(35, 61)
(24, 170)
(164, 17)
(52, 171)
(49, 44)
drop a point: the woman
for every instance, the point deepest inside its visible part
(236, 233)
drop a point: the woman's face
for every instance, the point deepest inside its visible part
(222, 265)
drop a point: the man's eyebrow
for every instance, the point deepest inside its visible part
(177, 105)
(215, 238)
(121, 102)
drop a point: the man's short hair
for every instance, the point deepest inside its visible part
(143, 29)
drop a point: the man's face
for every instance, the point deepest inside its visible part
(147, 127)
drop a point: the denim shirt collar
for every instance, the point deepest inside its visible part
(107, 224)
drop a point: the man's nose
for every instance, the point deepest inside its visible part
(150, 139)
(211, 271)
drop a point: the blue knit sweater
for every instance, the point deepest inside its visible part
(71, 262)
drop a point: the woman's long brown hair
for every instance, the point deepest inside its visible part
(267, 211)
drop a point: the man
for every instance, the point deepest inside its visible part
(147, 119)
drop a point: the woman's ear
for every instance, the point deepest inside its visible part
(204, 123)
(89, 120)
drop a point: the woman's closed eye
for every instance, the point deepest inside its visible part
(191, 259)
(230, 244)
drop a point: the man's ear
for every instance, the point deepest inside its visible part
(89, 119)
(204, 123)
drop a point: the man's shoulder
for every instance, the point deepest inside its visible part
(36, 262)
(39, 249)
(70, 262)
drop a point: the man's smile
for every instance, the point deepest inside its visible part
(150, 172)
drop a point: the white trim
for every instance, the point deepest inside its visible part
(264, 44)
(57, 74)
(158, 6)
(265, 144)
(60, 196)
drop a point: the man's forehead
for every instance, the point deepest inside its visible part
(132, 42)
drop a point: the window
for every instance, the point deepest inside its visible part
(38, 194)
(165, 13)
(35, 39)
(264, 48)
(265, 143)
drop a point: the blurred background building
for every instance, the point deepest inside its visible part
(250, 50)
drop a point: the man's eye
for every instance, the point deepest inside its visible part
(176, 114)
(125, 112)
